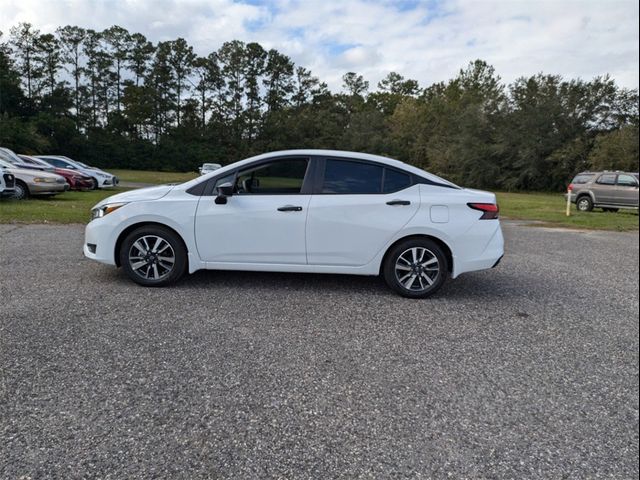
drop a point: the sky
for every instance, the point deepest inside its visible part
(427, 40)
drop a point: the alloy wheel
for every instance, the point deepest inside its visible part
(417, 269)
(152, 257)
(20, 192)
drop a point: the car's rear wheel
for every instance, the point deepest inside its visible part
(21, 190)
(415, 268)
(153, 256)
(584, 204)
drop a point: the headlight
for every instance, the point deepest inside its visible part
(44, 180)
(103, 210)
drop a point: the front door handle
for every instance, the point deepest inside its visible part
(399, 202)
(290, 208)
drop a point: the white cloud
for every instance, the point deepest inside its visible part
(429, 42)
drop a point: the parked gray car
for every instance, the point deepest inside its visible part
(607, 190)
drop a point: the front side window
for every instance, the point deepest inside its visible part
(347, 177)
(226, 179)
(607, 179)
(280, 177)
(627, 181)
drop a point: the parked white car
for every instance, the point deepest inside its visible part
(208, 168)
(100, 178)
(315, 211)
(7, 182)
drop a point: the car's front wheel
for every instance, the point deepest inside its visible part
(21, 191)
(416, 268)
(584, 204)
(153, 256)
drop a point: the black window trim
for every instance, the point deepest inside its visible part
(314, 176)
(414, 179)
(206, 188)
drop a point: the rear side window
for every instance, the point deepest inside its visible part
(627, 181)
(607, 179)
(343, 176)
(581, 178)
(394, 181)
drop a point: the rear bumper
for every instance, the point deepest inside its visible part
(481, 258)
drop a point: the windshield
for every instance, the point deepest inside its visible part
(5, 164)
(9, 155)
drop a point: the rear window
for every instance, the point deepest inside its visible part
(582, 178)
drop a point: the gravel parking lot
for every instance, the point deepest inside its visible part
(529, 370)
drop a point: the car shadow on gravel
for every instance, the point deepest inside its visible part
(492, 285)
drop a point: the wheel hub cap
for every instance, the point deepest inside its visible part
(151, 257)
(417, 269)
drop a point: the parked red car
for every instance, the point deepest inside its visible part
(76, 180)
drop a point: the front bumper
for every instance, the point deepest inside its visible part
(47, 188)
(100, 241)
(82, 184)
(108, 182)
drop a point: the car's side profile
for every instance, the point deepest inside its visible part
(607, 190)
(315, 211)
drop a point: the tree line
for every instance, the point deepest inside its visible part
(115, 99)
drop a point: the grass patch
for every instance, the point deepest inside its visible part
(543, 208)
(68, 207)
(157, 178)
(549, 209)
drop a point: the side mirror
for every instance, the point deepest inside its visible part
(225, 190)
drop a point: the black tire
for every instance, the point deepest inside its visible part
(610, 210)
(21, 190)
(584, 204)
(95, 184)
(152, 264)
(421, 270)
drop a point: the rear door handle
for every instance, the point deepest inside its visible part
(399, 202)
(290, 208)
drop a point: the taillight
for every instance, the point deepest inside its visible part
(570, 187)
(490, 210)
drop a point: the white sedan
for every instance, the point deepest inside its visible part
(315, 211)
